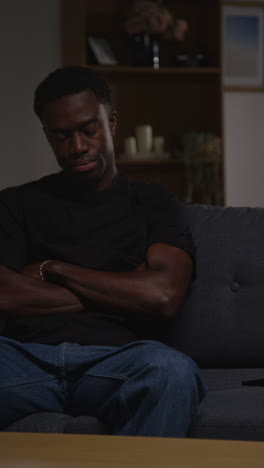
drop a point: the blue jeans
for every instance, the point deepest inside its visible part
(144, 388)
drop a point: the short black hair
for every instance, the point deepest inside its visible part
(67, 81)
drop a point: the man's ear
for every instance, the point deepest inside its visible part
(112, 119)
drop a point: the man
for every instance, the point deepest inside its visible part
(92, 267)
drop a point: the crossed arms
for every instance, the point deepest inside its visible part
(156, 287)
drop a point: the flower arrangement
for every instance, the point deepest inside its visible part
(153, 17)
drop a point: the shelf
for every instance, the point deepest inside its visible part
(148, 162)
(118, 69)
(162, 162)
(173, 100)
(243, 89)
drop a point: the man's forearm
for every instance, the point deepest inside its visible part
(21, 295)
(141, 291)
(129, 291)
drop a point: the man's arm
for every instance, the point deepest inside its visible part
(21, 295)
(157, 287)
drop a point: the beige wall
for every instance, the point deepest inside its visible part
(244, 136)
(29, 49)
(244, 148)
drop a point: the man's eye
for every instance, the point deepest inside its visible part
(91, 130)
(59, 136)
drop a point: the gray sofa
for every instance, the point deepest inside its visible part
(221, 326)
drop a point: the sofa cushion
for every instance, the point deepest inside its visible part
(231, 410)
(221, 324)
(58, 423)
(228, 379)
(231, 414)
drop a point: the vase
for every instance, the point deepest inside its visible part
(146, 50)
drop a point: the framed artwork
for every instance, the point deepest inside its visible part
(242, 46)
(102, 51)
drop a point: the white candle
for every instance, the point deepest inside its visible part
(158, 144)
(130, 146)
(144, 138)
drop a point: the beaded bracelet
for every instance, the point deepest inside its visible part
(41, 269)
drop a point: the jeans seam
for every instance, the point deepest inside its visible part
(126, 413)
(123, 400)
(62, 369)
(108, 376)
(16, 383)
(62, 360)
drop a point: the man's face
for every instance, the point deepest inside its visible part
(80, 130)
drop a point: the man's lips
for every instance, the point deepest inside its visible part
(83, 166)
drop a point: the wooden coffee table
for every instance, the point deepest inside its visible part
(21, 450)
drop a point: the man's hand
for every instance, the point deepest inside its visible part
(32, 270)
(25, 293)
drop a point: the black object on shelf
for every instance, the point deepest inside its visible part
(145, 48)
(196, 58)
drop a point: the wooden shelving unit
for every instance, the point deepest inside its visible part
(173, 100)
(123, 69)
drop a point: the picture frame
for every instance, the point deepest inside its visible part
(102, 51)
(242, 46)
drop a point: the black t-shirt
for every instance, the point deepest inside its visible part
(109, 230)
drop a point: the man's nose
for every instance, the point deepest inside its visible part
(79, 143)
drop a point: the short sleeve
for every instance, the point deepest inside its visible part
(166, 219)
(12, 236)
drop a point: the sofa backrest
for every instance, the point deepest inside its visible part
(221, 323)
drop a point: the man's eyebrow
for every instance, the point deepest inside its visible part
(61, 129)
(88, 122)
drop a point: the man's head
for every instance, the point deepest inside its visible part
(74, 106)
